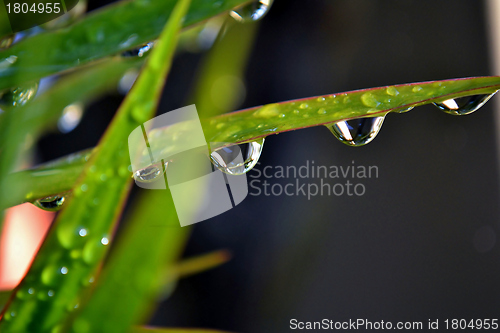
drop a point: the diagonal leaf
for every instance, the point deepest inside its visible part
(201, 263)
(70, 256)
(128, 286)
(250, 124)
(102, 33)
(146, 253)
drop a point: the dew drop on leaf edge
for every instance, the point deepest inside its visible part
(150, 173)
(356, 132)
(20, 95)
(463, 105)
(237, 159)
(252, 11)
(52, 203)
(138, 51)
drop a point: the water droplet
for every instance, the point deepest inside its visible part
(252, 11)
(463, 105)
(70, 118)
(357, 132)
(403, 110)
(303, 106)
(150, 174)
(80, 325)
(93, 250)
(321, 111)
(138, 51)
(320, 99)
(19, 95)
(225, 158)
(52, 203)
(6, 41)
(50, 293)
(417, 89)
(368, 99)
(104, 241)
(392, 91)
(83, 232)
(267, 111)
(24, 293)
(53, 274)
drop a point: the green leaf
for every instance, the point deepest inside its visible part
(254, 123)
(201, 263)
(145, 252)
(77, 242)
(4, 298)
(108, 31)
(220, 86)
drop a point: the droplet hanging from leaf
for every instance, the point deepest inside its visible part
(356, 132)
(464, 105)
(252, 11)
(228, 160)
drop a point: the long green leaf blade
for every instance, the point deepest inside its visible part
(250, 124)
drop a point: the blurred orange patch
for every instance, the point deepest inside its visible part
(23, 232)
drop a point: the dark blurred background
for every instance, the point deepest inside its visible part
(420, 244)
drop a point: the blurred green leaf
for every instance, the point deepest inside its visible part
(200, 263)
(77, 242)
(220, 87)
(104, 32)
(131, 280)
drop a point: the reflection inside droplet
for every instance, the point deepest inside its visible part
(356, 132)
(464, 105)
(237, 159)
(138, 51)
(252, 11)
(51, 203)
(150, 173)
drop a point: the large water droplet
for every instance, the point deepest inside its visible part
(357, 132)
(20, 95)
(52, 203)
(226, 158)
(464, 105)
(150, 174)
(252, 11)
(138, 51)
